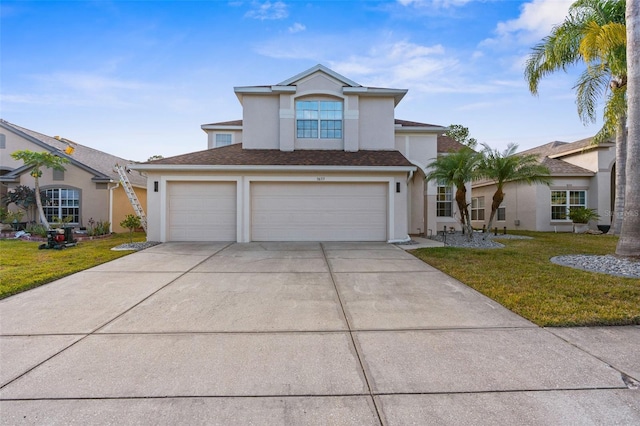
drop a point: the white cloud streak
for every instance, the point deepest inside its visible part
(296, 28)
(426, 4)
(268, 11)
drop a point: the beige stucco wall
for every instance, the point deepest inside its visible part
(376, 123)
(122, 206)
(420, 149)
(260, 122)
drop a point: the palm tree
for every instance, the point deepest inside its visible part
(593, 33)
(36, 161)
(629, 243)
(507, 167)
(457, 169)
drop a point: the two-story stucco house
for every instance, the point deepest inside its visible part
(315, 157)
(583, 176)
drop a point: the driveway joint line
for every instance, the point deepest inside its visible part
(353, 342)
(353, 330)
(581, 349)
(335, 395)
(109, 321)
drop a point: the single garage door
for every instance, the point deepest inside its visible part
(201, 211)
(310, 211)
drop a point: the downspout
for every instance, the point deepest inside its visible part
(111, 188)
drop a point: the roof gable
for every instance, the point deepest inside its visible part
(319, 68)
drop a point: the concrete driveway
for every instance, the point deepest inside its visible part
(297, 333)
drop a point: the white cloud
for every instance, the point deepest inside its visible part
(268, 10)
(296, 28)
(402, 64)
(536, 20)
(433, 3)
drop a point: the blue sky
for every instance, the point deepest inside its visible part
(138, 78)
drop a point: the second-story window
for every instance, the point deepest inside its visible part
(319, 119)
(223, 139)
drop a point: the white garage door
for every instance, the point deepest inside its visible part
(320, 211)
(201, 211)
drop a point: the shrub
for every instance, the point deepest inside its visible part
(131, 222)
(583, 215)
(37, 229)
(98, 228)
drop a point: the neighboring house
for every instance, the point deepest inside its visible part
(583, 175)
(89, 187)
(315, 157)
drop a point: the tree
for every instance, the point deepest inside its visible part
(23, 197)
(131, 222)
(629, 243)
(460, 134)
(36, 161)
(508, 167)
(593, 34)
(457, 169)
(155, 157)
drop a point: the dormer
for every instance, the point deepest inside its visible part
(318, 109)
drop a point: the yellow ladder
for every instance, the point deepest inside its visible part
(133, 198)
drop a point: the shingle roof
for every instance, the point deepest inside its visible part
(447, 144)
(99, 162)
(234, 155)
(226, 123)
(558, 149)
(406, 123)
(559, 167)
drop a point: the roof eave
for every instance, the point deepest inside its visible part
(420, 129)
(397, 94)
(581, 150)
(215, 127)
(243, 168)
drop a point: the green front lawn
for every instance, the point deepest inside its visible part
(521, 277)
(23, 266)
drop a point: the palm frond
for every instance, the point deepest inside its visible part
(591, 86)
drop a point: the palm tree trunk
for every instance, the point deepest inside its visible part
(498, 197)
(465, 219)
(43, 217)
(629, 243)
(621, 173)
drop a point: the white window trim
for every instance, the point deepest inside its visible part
(450, 188)
(478, 208)
(216, 142)
(59, 206)
(319, 119)
(568, 205)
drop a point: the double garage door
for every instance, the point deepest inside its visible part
(279, 211)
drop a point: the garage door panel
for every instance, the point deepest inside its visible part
(298, 211)
(201, 211)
